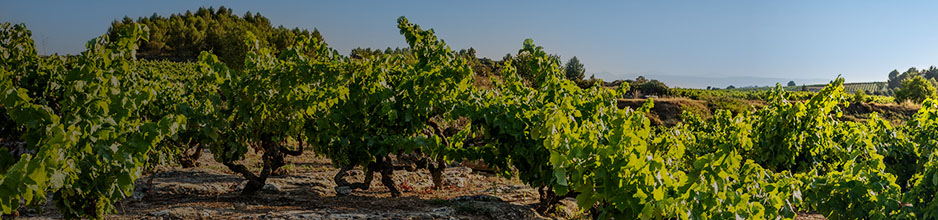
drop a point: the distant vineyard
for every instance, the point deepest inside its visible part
(869, 87)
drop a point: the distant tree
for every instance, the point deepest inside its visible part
(520, 60)
(481, 67)
(730, 87)
(804, 87)
(184, 36)
(653, 87)
(640, 80)
(587, 83)
(916, 89)
(507, 57)
(792, 83)
(574, 70)
(931, 73)
(318, 35)
(894, 81)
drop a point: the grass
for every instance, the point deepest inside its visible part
(734, 105)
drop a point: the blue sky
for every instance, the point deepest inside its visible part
(861, 40)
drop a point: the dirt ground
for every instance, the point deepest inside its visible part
(306, 191)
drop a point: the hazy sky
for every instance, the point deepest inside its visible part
(861, 40)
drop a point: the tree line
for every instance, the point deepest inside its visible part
(181, 37)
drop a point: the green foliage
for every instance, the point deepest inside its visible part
(735, 105)
(387, 104)
(861, 191)
(895, 78)
(88, 125)
(923, 130)
(797, 136)
(763, 95)
(519, 62)
(92, 145)
(860, 97)
(898, 151)
(272, 101)
(574, 70)
(915, 89)
(924, 195)
(184, 36)
(653, 87)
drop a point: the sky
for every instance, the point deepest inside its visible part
(811, 41)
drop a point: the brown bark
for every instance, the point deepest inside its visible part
(381, 165)
(191, 160)
(273, 159)
(296, 152)
(340, 178)
(436, 171)
(387, 172)
(548, 198)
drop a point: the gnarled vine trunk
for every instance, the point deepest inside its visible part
(436, 171)
(381, 165)
(272, 158)
(548, 198)
(190, 160)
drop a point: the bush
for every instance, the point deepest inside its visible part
(915, 89)
(734, 105)
(860, 96)
(653, 87)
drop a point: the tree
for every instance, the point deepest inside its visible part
(931, 73)
(318, 35)
(640, 80)
(574, 70)
(183, 36)
(915, 89)
(472, 52)
(730, 87)
(894, 79)
(521, 60)
(792, 83)
(653, 87)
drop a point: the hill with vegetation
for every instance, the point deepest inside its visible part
(181, 37)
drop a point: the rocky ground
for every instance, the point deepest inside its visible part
(307, 191)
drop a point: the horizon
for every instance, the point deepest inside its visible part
(711, 42)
